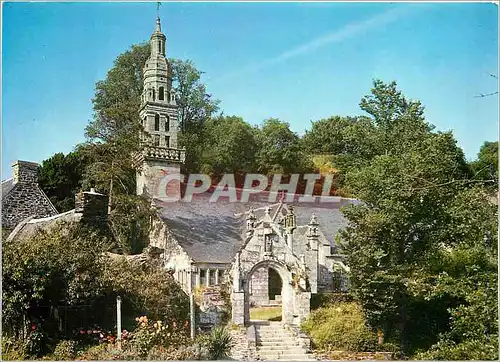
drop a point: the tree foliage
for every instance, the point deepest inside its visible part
(417, 202)
(279, 149)
(61, 176)
(61, 276)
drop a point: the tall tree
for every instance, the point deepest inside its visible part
(61, 176)
(113, 135)
(486, 166)
(280, 149)
(405, 190)
(230, 146)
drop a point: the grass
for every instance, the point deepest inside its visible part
(266, 313)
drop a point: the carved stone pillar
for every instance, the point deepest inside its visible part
(207, 275)
(216, 276)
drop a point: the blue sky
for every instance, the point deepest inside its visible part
(295, 61)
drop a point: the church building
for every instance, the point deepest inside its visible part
(247, 244)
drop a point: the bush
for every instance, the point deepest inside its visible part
(475, 349)
(157, 334)
(191, 353)
(218, 343)
(340, 327)
(12, 349)
(325, 299)
(65, 350)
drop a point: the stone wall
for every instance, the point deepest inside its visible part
(259, 288)
(25, 198)
(173, 257)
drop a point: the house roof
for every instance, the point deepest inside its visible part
(213, 232)
(29, 227)
(7, 186)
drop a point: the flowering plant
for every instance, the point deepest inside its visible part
(157, 333)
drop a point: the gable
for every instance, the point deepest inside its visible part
(24, 200)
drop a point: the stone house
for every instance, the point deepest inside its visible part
(90, 207)
(22, 197)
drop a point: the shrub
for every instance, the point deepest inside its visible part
(99, 353)
(472, 349)
(219, 343)
(150, 334)
(12, 349)
(182, 353)
(65, 350)
(325, 299)
(340, 327)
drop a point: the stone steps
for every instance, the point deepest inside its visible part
(275, 342)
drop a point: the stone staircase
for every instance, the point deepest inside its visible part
(274, 341)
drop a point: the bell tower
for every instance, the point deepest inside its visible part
(160, 155)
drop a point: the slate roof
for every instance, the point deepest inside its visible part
(7, 186)
(210, 231)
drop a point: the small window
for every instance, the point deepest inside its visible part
(144, 122)
(157, 141)
(161, 94)
(167, 141)
(154, 95)
(167, 123)
(157, 122)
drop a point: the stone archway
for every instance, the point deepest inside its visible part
(287, 292)
(295, 305)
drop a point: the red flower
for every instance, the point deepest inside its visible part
(33, 327)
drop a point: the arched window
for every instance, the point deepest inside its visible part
(161, 94)
(157, 122)
(167, 123)
(167, 141)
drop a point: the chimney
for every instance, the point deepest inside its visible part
(24, 171)
(93, 205)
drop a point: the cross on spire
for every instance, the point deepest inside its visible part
(158, 3)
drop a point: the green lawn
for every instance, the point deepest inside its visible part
(266, 313)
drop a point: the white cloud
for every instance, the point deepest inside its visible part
(349, 31)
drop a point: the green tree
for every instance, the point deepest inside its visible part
(113, 136)
(230, 146)
(61, 176)
(280, 149)
(406, 191)
(196, 107)
(486, 166)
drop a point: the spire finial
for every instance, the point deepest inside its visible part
(158, 24)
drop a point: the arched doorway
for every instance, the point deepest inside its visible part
(265, 289)
(287, 293)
